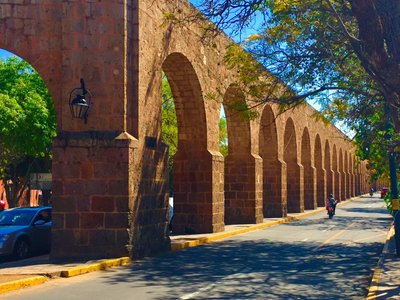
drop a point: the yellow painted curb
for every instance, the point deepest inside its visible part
(376, 277)
(218, 236)
(21, 283)
(101, 265)
(204, 240)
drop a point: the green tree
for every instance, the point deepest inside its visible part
(169, 127)
(223, 137)
(27, 123)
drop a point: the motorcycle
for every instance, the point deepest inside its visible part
(331, 211)
(371, 192)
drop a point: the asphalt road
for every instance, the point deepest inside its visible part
(312, 258)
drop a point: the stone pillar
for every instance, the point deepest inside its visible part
(321, 187)
(275, 189)
(295, 189)
(315, 190)
(343, 187)
(243, 190)
(348, 185)
(198, 192)
(92, 189)
(149, 233)
(330, 182)
(310, 188)
(353, 185)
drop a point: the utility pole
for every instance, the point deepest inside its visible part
(393, 179)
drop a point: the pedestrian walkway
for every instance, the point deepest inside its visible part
(33, 271)
(386, 280)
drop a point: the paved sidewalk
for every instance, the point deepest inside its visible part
(33, 271)
(386, 280)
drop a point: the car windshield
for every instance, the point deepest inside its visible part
(16, 217)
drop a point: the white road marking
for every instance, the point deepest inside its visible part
(329, 228)
(240, 274)
(335, 236)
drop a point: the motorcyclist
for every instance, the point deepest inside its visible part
(331, 202)
(371, 192)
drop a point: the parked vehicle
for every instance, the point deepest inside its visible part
(25, 231)
(384, 191)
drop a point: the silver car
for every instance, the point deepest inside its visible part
(25, 231)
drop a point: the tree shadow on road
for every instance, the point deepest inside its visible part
(257, 270)
(261, 268)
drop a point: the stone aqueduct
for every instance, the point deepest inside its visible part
(110, 177)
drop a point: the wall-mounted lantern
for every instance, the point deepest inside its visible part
(79, 102)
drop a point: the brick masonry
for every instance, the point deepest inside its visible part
(110, 175)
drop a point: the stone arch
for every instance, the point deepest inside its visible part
(310, 201)
(243, 202)
(195, 210)
(274, 170)
(362, 177)
(328, 168)
(336, 174)
(358, 176)
(346, 171)
(189, 103)
(342, 175)
(294, 169)
(318, 162)
(352, 176)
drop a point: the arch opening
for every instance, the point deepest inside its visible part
(310, 201)
(336, 175)
(196, 206)
(243, 203)
(273, 168)
(348, 175)
(321, 196)
(294, 170)
(328, 169)
(29, 123)
(342, 182)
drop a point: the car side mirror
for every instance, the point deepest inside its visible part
(39, 222)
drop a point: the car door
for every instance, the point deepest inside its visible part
(41, 231)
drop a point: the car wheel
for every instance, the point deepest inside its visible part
(21, 249)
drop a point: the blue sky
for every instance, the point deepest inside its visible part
(5, 54)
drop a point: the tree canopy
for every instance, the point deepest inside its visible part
(27, 118)
(344, 54)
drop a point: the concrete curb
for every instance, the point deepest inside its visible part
(21, 283)
(376, 277)
(218, 236)
(101, 265)
(75, 271)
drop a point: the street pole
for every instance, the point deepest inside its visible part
(393, 179)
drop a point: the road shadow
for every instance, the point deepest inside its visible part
(266, 269)
(259, 270)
